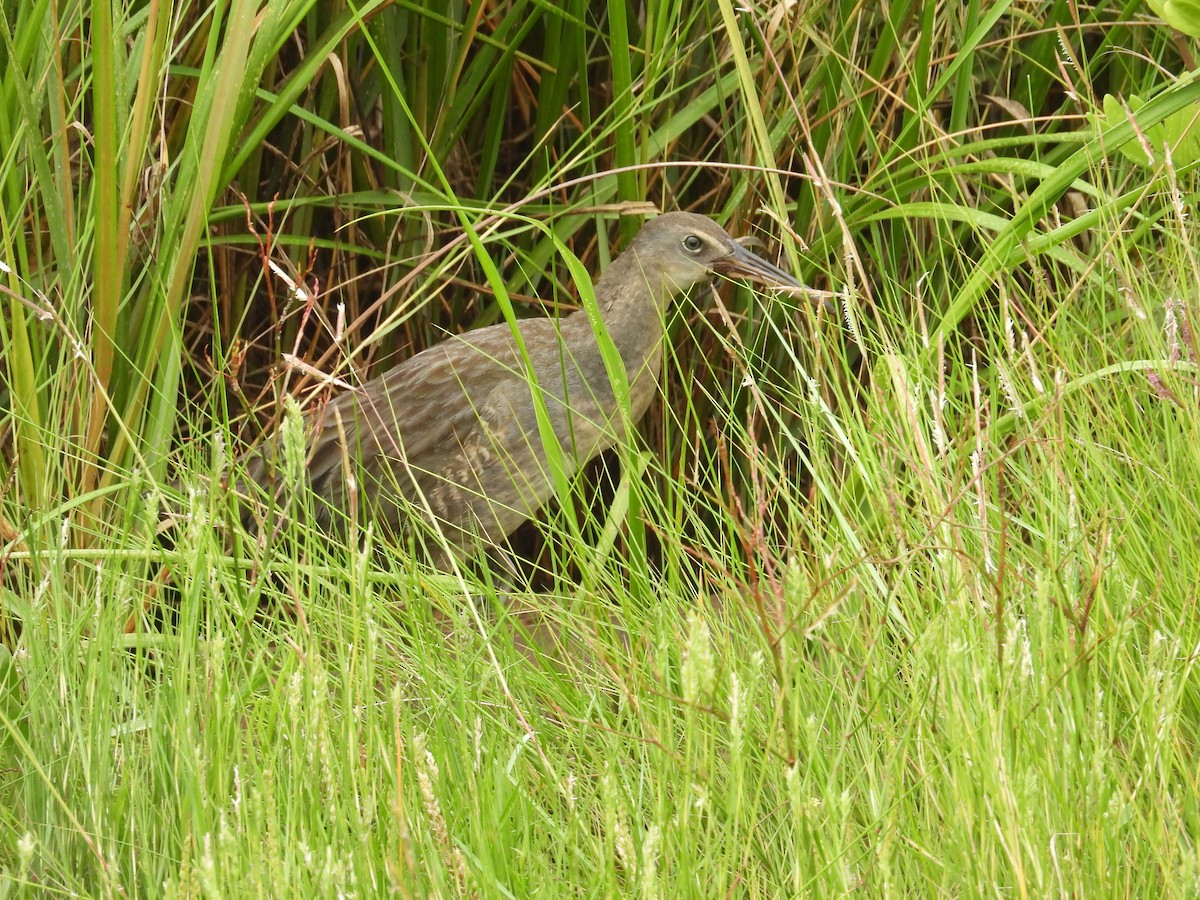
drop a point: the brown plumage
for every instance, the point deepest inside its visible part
(452, 433)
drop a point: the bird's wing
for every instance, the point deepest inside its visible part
(411, 417)
(453, 431)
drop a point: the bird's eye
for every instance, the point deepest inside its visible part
(692, 244)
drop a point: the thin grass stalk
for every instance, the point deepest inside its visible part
(764, 147)
(27, 419)
(625, 138)
(155, 43)
(963, 102)
(108, 268)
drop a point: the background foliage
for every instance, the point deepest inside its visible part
(894, 595)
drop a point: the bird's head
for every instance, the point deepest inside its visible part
(686, 249)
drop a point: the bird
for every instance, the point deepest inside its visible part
(452, 434)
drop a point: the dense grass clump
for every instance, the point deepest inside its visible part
(892, 594)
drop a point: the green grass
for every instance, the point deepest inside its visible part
(891, 597)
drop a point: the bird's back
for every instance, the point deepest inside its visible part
(452, 433)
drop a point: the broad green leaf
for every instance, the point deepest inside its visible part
(1178, 131)
(1183, 15)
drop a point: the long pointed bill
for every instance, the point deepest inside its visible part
(741, 263)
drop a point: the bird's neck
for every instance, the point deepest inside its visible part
(632, 302)
(632, 305)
